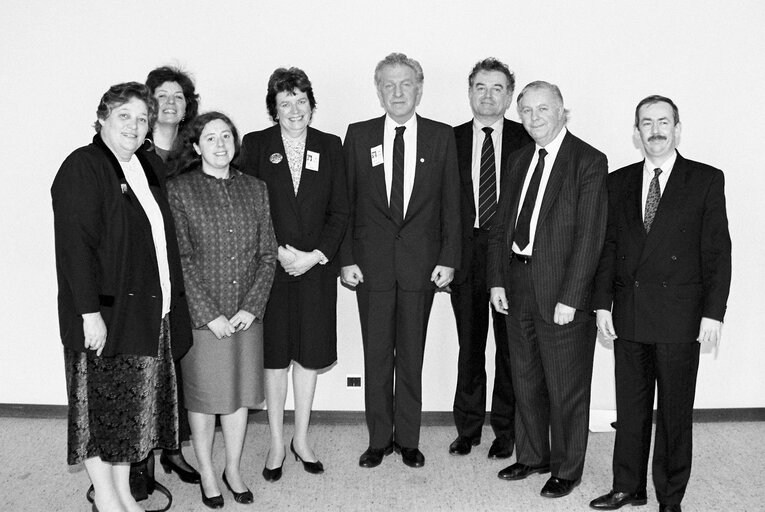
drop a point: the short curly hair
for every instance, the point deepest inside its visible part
(399, 59)
(287, 80)
(120, 94)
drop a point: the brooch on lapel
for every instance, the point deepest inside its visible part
(422, 160)
(124, 188)
(275, 158)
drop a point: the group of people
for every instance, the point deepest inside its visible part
(194, 271)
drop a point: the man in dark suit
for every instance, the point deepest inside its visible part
(483, 145)
(402, 244)
(544, 251)
(666, 269)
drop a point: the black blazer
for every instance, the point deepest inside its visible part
(317, 217)
(570, 229)
(662, 283)
(105, 256)
(430, 234)
(514, 137)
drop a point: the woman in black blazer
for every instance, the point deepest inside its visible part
(122, 310)
(305, 174)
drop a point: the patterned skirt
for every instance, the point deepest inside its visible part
(121, 407)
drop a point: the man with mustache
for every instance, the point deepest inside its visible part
(660, 290)
(483, 146)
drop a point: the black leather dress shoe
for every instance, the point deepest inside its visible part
(374, 456)
(670, 508)
(520, 471)
(558, 487)
(412, 457)
(614, 500)
(245, 498)
(500, 449)
(462, 445)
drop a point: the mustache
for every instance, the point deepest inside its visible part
(656, 137)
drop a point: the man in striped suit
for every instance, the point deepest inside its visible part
(543, 254)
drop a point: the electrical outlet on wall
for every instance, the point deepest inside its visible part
(353, 381)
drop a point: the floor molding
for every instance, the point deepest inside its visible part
(429, 418)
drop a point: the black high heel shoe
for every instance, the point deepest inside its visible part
(245, 498)
(312, 467)
(190, 477)
(213, 501)
(272, 475)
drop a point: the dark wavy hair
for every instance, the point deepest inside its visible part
(492, 64)
(287, 80)
(119, 95)
(655, 98)
(164, 74)
(185, 158)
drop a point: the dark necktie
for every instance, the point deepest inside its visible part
(397, 184)
(487, 184)
(523, 226)
(652, 201)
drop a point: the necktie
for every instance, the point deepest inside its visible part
(397, 184)
(523, 226)
(487, 184)
(652, 201)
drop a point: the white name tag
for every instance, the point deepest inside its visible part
(311, 161)
(377, 155)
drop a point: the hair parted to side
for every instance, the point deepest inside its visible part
(655, 98)
(164, 74)
(492, 64)
(287, 80)
(186, 159)
(541, 84)
(399, 59)
(120, 94)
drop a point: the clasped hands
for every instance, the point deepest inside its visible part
(223, 327)
(296, 262)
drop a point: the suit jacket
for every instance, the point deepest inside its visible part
(317, 217)
(430, 233)
(662, 283)
(514, 137)
(570, 229)
(105, 256)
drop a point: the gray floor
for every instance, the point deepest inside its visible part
(727, 474)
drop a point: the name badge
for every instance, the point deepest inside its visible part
(377, 155)
(311, 161)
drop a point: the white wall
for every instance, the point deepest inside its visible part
(58, 58)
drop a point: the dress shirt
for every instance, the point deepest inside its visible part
(552, 153)
(136, 180)
(648, 172)
(410, 155)
(478, 137)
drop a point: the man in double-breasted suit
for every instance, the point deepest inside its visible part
(483, 146)
(542, 259)
(402, 243)
(665, 270)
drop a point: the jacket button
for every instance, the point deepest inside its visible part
(664, 284)
(624, 257)
(637, 283)
(674, 258)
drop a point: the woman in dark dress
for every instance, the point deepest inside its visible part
(228, 253)
(121, 305)
(177, 106)
(305, 174)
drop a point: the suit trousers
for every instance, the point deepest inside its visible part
(639, 368)
(394, 324)
(470, 301)
(552, 375)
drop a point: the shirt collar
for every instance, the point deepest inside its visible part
(666, 167)
(496, 126)
(554, 146)
(391, 125)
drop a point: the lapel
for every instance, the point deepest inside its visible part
(282, 179)
(376, 136)
(516, 188)
(557, 175)
(308, 178)
(633, 201)
(670, 207)
(506, 141)
(422, 163)
(464, 140)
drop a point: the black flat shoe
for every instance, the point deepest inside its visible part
(615, 500)
(520, 471)
(245, 498)
(412, 457)
(500, 449)
(462, 445)
(558, 487)
(190, 477)
(316, 468)
(272, 475)
(372, 457)
(213, 502)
